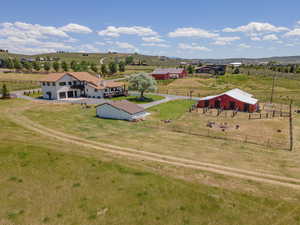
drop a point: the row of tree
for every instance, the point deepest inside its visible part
(289, 68)
(74, 65)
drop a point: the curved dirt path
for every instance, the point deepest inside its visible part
(154, 157)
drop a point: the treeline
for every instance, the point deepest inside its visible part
(63, 66)
(289, 68)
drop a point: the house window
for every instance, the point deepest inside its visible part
(96, 90)
(62, 83)
(106, 90)
(74, 82)
(53, 84)
(48, 83)
(70, 83)
(44, 84)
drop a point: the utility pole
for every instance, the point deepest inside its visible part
(291, 127)
(273, 85)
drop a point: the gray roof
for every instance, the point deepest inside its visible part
(125, 105)
(237, 94)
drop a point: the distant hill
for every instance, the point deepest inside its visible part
(150, 60)
(278, 59)
(102, 57)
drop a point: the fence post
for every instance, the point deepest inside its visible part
(246, 139)
(249, 116)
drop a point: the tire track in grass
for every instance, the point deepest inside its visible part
(155, 157)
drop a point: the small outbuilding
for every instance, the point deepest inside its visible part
(121, 110)
(235, 99)
(169, 73)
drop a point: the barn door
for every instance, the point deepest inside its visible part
(246, 107)
(232, 105)
(217, 104)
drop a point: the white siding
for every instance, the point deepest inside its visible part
(107, 111)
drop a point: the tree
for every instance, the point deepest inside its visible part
(65, 66)
(236, 71)
(27, 65)
(122, 66)
(36, 66)
(142, 82)
(5, 92)
(56, 66)
(84, 66)
(129, 60)
(190, 69)
(9, 63)
(73, 65)
(103, 70)
(47, 66)
(113, 68)
(94, 68)
(16, 64)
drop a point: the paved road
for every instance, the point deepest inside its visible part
(96, 101)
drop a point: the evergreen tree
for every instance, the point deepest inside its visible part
(94, 68)
(112, 68)
(122, 66)
(65, 66)
(56, 66)
(103, 70)
(84, 66)
(73, 65)
(190, 69)
(47, 66)
(16, 64)
(129, 60)
(5, 92)
(36, 66)
(27, 65)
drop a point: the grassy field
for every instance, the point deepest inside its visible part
(260, 86)
(49, 182)
(152, 136)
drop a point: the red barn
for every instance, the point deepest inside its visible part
(235, 99)
(169, 73)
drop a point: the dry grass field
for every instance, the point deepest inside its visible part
(259, 86)
(46, 181)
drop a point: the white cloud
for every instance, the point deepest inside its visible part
(193, 46)
(244, 46)
(270, 37)
(152, 39)
(156, 45)
(86, 48)
(113, 31)
(192, 32)
(26, 30)
(126, 45)
(255, 38)
(256, 28)
(225, 40)
(76, 28)
(293, 33)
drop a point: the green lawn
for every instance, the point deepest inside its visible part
(21, 85)
(48, 182)
(171, 110)
(137, 100)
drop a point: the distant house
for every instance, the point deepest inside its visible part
(211, 69)
(169, 73)
(79, 84)
(121, 110)
(235, 99)
(236, 64)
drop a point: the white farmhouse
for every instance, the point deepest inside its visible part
(79, 84)
(121, 110)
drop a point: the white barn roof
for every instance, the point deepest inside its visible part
(236, 94)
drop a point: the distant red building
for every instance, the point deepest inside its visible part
(235, 99)
(169, 73)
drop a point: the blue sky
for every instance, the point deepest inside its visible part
(188, 29)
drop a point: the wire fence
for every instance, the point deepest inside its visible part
(263, 141)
